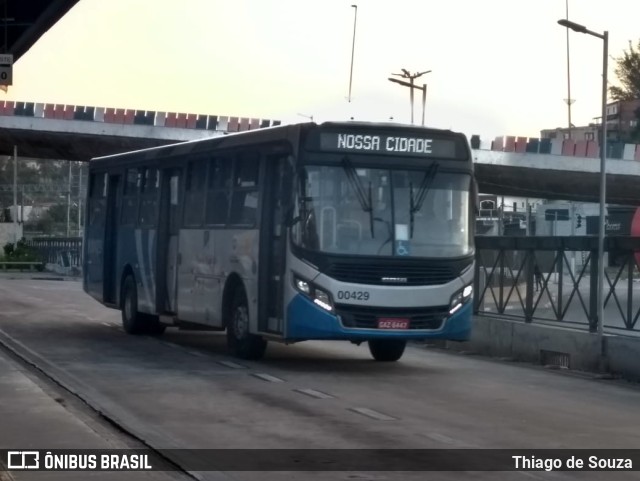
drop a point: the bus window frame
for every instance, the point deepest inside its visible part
(211, 191)
(230, 188)
(146, 195)
(258, 156)
(127, 216)
(188, 163)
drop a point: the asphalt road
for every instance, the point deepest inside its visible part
(184, 391)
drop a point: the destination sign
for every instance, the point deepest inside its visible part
(411, 144)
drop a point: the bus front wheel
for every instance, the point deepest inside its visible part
(243, 344)
(387, 350)
(134, 321)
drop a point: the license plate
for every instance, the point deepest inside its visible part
(393, 323)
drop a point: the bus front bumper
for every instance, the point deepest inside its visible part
(306, 321)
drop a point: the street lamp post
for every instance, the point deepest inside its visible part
(15, 194)
(603, 173)
(405, 74)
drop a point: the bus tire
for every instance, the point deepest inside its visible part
(153, 326)
(242, 343)
(134, 321)
(387, 350)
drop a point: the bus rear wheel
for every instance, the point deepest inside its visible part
(243, 344)
(134, 321)
(387, 350)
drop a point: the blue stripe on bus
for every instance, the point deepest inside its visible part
(306, 321)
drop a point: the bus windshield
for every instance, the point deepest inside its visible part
(383, 212)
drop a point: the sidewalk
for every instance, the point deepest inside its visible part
(31, 418)
(44, 275)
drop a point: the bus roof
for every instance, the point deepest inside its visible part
(290, 132)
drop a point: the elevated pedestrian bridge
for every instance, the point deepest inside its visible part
(511, 166)
(73, 132)
(548, 176)
(557, 169)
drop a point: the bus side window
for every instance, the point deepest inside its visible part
(130, 196)
(97, 201)
(218, 190)
(195, 192)
(149, 196)
(96, 186)
(244, 197)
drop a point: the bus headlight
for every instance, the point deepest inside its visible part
(317, 295)
(302, 286)
(322, 299)
(460, 298)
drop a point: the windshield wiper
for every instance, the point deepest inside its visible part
(423, 190)
(365, 199)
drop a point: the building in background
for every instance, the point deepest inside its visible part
(622, 121)
(623, 117)
(502, 215)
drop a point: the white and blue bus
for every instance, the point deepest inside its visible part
(337, 231)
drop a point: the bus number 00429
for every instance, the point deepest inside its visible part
(355, 295)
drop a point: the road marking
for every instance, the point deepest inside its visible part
(266, 377)
(441, 438)
(232, 365)
(373, 414)
(314, 393)
(196, 353)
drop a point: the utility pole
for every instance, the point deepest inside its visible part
(568, 100)
(79, 199)
(353, 47)
(15, 194)
(69, 201)
(407, 75)
(22, 208)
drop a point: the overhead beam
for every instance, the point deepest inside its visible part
(44, 20)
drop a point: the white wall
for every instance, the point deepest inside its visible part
(23, 212)
(7, 234)
(565, 227)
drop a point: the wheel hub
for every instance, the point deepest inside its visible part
(128, 306)
(241, 322)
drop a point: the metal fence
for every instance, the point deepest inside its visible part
(554, 279)
(66, 251)
(533, 279)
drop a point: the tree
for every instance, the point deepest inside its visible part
(628, 73)
(54, 220)
(51, 177)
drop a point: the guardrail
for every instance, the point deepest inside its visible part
(554, 279)
(22, 265)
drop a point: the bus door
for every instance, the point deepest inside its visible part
(168, 230)
(111, 282)
(273, 244)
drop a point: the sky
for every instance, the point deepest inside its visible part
(498, 67)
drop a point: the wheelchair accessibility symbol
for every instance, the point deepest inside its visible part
(402, 248)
